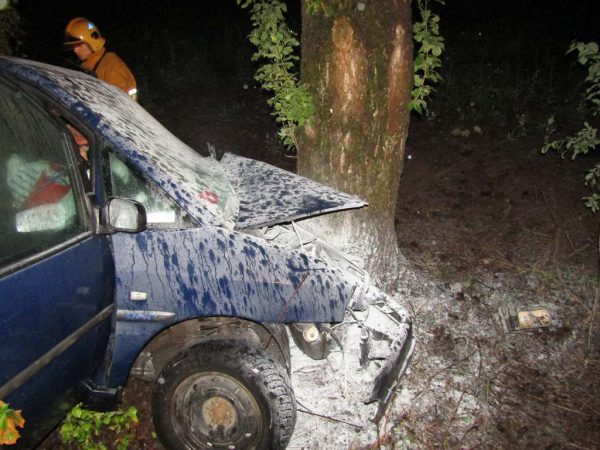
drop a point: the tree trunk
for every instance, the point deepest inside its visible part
(358, 66)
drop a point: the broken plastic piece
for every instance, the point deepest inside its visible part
(512, 317)
(537, 318)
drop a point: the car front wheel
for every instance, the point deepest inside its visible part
(224, 395)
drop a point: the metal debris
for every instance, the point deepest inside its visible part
(512, 317)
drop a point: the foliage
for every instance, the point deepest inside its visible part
(275, 43)
(10, 420)
(589, 56)
(82, 427)
(586, 139)
(315, 6)
(11, 34)
(426, 33)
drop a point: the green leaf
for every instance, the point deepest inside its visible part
(275, 47)
(427, 59)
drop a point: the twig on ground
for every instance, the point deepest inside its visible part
(475, 425)
(451, 366)
(306, 410)
(444, 171)
(385, 422)
(462, 394)
(483, 284)
(570, 240)
(578, 250)
(579, 447)
(590, 329)
(555, 405)
(578, 300)
(479, 367)
(429, 429)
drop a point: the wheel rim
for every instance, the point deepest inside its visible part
(214, 410)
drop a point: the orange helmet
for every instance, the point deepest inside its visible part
(80, 30)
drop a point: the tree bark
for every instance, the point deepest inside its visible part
(358, 66)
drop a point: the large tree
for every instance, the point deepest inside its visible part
(348, 118)
(357, 63)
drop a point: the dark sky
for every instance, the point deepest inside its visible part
(212, 21)
(534, 18)
(527, 23)
(125, 22)
(161, 35)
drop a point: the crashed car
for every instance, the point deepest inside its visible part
(125, 253)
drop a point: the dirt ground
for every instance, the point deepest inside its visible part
(494, 228)
(489, 228)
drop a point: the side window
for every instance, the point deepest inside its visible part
(37, 202)
(161, 211)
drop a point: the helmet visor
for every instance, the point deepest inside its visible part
(70, 40)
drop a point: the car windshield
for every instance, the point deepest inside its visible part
(161, 212)
(197, 183)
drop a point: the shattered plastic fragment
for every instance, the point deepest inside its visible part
(516, 318)
(537, 318)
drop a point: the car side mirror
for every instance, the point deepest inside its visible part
(124, 215)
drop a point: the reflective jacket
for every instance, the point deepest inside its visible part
(110, 68)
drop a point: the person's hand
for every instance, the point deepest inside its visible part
(80, 140)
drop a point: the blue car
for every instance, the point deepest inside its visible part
(125, 253)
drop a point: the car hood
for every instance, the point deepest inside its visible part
(269, 195)
(236, 192)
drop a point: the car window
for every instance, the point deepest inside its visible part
(161, 211)
(37, 203)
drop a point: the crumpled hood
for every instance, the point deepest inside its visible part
(269, 195)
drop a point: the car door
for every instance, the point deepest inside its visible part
(56, 276)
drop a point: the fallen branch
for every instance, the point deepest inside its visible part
(306, 410)
(478, 422)
(451, 365)
(555, 405)
(590, 329)
(462, 394)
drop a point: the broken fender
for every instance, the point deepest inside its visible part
(190, 273)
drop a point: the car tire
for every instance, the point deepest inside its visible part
(223, 395)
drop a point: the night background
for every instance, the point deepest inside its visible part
(482, 209)
(502, 60)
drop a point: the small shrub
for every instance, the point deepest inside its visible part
(430, 46)
(275, 48)
(83, 428)
(10, 420)
(586, 139)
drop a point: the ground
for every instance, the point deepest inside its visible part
(488, 227)
(496, 228)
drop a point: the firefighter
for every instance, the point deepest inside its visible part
(88, 44)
